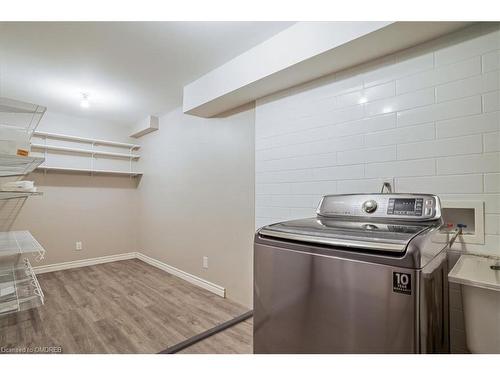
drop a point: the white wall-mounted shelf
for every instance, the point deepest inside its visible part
(12, 165)
(69, 153)
(91, 171)
(84, 151)
(86, 140)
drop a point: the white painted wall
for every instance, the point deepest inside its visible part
(427, 117)
(55, 122)
(196, 198)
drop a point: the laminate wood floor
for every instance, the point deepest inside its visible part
(123, 307)
(234, 340)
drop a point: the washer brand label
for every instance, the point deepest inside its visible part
(401, 282)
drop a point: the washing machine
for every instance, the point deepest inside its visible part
(367, 274)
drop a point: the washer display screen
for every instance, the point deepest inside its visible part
(406, 205)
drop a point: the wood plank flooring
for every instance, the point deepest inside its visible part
(123, 307)
(234, 340)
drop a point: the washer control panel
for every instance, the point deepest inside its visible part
(409, 207)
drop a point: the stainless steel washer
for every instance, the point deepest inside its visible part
(366, 275)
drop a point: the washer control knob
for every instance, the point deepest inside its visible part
(369, 206)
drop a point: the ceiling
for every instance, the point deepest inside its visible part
(129, 69)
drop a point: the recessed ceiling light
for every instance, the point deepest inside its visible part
(85, 101)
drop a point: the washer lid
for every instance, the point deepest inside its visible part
(375, 236)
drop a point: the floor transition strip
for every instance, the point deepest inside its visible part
(210, 332)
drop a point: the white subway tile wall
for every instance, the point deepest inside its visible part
(490, 61)
(427, 118)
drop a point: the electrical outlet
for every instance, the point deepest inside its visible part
(78, 245)
(205, 262)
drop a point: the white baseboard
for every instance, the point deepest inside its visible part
(83, 263)
(198, 281)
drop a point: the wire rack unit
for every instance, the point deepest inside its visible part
(19, 288)
(12, 165)
(20, 242)
(18, 194)
(21, 115)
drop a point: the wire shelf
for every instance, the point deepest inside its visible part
(19, 288)
(94, 141)
(18, 194)
(11, 165)
(20, 242)
(85, 151)
(21, 115)
(89, 170)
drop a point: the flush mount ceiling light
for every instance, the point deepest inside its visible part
(85, 101)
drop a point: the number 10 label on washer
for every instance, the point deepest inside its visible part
(401, 282)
